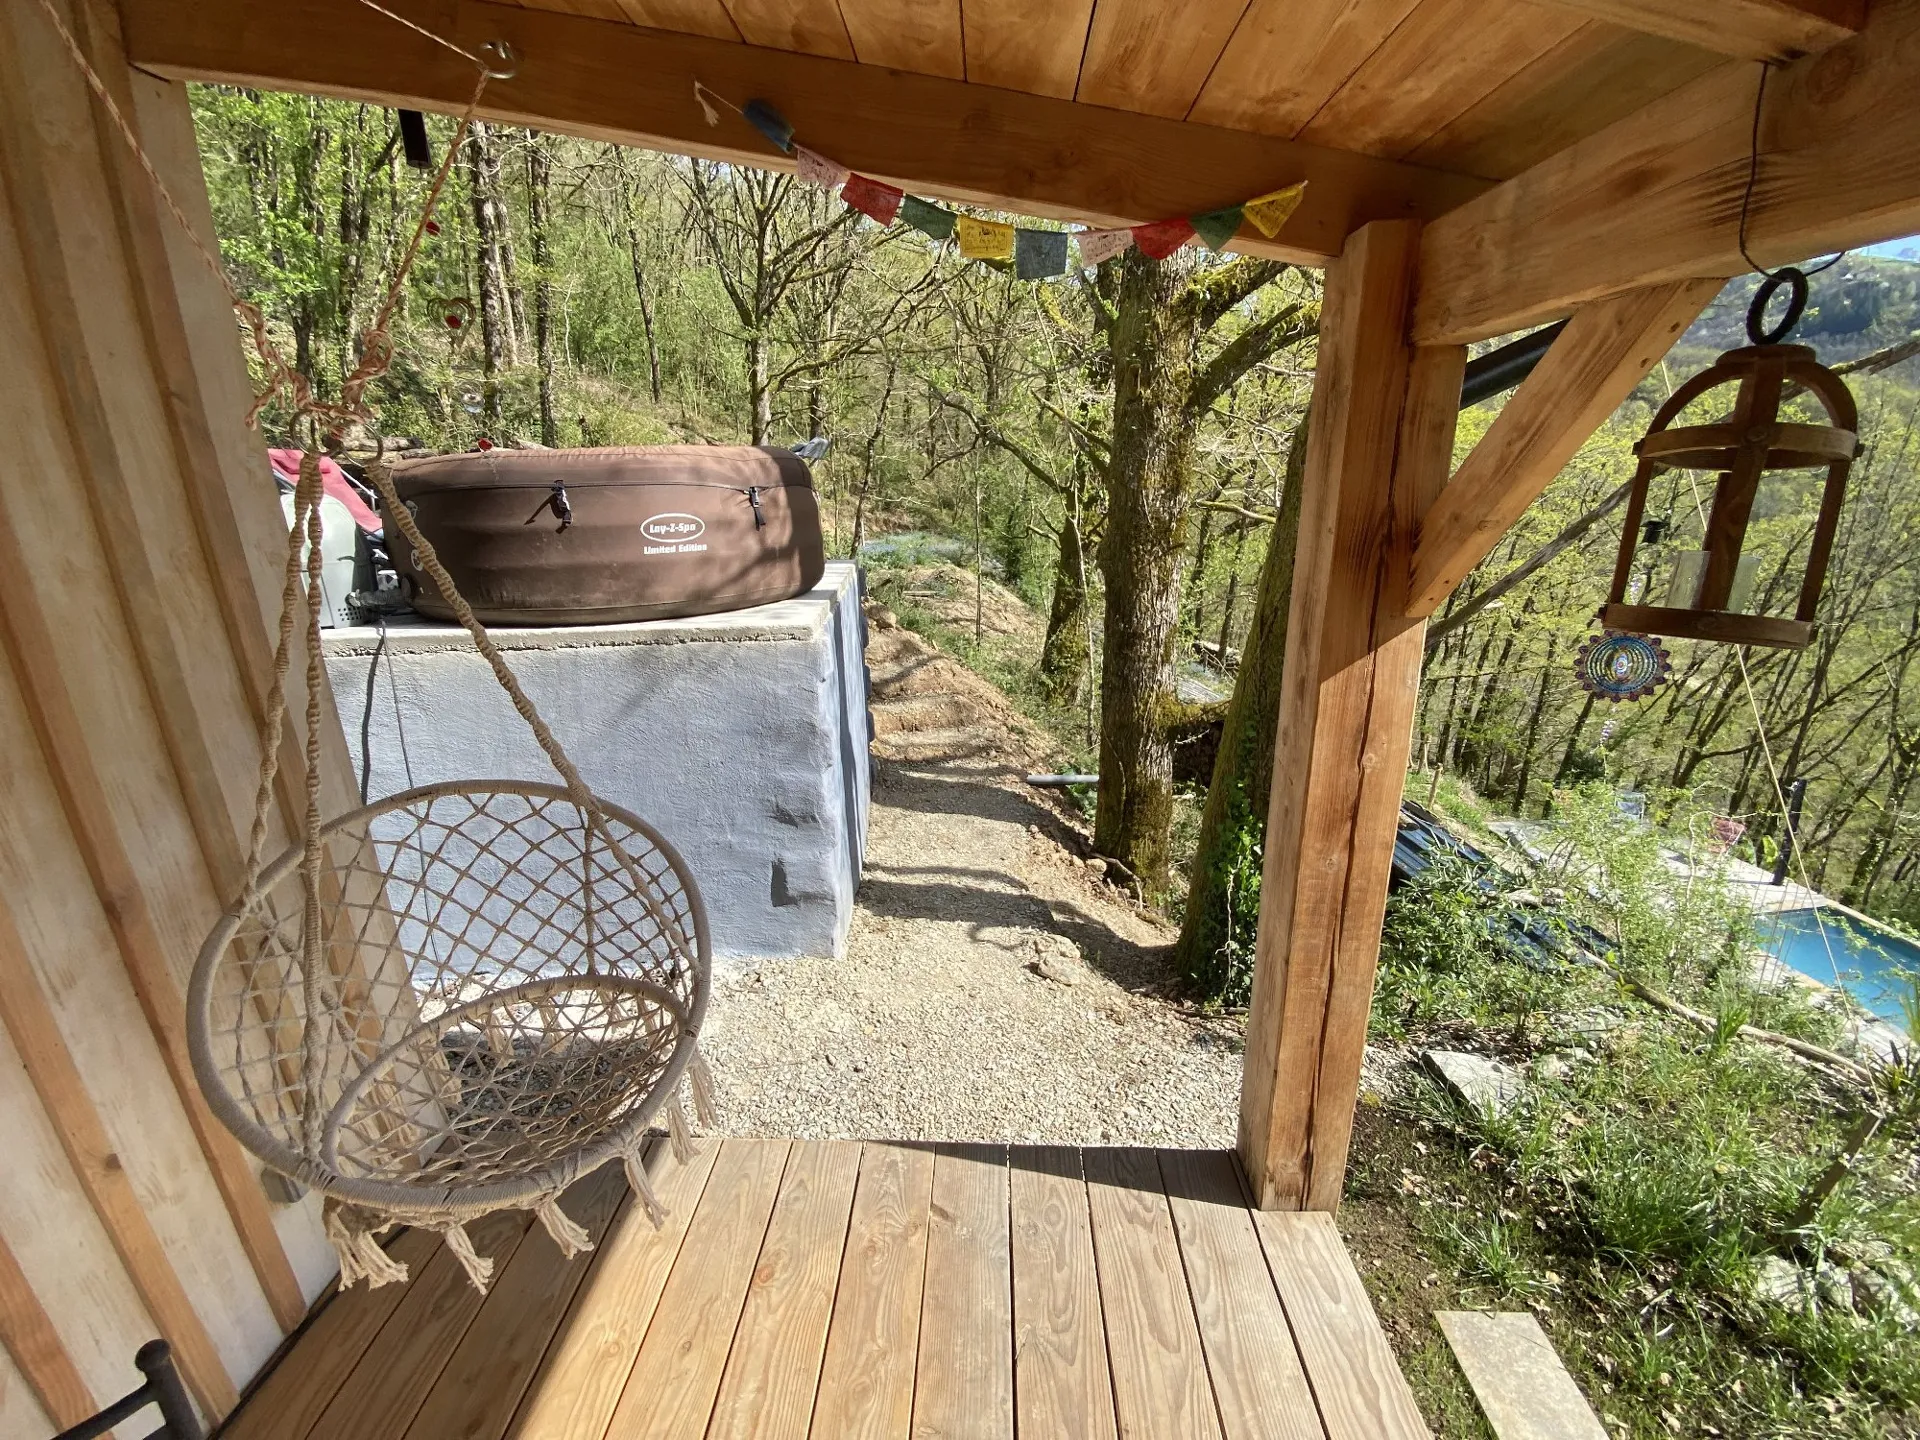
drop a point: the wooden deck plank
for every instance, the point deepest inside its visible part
(675, 1377)
(1518, 1376)
(1258, 1381)
(964, 1389)
(866, 1381)
(291, 1397)
(385, 1391)
(768, 1389)
(1160, 1384)
(1362, 1394)
(584, 1373)
(482, 1383)
(1061, 1385)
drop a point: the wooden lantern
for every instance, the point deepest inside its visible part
(1742, 449)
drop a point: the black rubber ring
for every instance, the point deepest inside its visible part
(1763, 297)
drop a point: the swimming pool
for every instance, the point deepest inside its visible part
(1869, 959)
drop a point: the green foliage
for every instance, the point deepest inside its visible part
(1446, 958)
(1634, 1198)
(1224, 969)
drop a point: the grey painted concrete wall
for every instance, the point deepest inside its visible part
(742, 737)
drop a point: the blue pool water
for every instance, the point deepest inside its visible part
(1869, 959)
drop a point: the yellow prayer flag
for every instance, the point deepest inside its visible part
(1270, 211)
(984, 239)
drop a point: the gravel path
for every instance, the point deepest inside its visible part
(993, 987)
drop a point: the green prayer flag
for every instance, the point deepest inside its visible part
(1217, 227)
(926, 217)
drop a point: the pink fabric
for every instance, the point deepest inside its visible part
(286, 464)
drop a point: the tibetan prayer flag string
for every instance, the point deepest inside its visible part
(1096, 246)
(1217, 227)
(931, 220)
(1163, 237)
(1038, 254)
(817, 169)
(870, 197)
(1033, 254)
(984, 239)
(1271, 211)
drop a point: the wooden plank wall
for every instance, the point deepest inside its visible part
(138, 540)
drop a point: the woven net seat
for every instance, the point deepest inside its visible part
(503, 1006)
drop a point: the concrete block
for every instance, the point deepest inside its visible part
(742, 737)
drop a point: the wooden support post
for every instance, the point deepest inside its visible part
(1378, 452)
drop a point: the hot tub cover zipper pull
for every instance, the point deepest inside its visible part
(753, 499)
(558, 503)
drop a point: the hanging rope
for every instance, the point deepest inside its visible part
(432, 1128)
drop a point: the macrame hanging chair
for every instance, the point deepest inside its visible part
(455, 1000)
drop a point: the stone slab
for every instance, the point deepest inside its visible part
(1517, 1376)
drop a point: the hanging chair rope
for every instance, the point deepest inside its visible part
(433, 1125)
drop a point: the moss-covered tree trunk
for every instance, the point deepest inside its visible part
(1149, 475)
(1215, 949)
(1063, 658)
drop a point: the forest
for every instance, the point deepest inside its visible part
(1120, 447)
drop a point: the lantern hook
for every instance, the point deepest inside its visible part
(1758, 330)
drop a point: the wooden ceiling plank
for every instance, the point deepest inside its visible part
(1606, 350)
(1017, 46)
(811, 27)
(918, 35)
(1656, 196)
(688, 17)
(1597, 75)
(1153, 57)
(969, 143)
(1744, 29)
(1288, 58)
(599, 9)
(1446, 56)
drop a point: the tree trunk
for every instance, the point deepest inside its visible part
(496, 313)
(539, 181)
(1550, 678)
(1063, 658)
(760, 385)
(1215, 949)
(646, 303)
(1148, 479)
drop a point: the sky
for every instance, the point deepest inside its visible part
(1907, 249)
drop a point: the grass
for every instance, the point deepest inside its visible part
(1631, 1202)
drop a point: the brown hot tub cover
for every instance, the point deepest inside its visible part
(578, 537)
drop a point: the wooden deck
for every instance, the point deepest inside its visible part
(842, 1290)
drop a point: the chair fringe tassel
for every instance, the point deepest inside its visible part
(641, 1184)
(360, 1254)
(568, 1234)
(679, 1133)
(479, 1267)
(706, 1108)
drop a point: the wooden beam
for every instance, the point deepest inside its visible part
(1379, 445)
(1606, 350)
(26, 1330)
(75, 319)
(1745, 29)
(1656, 196)
(611, 81)
(30, 1021)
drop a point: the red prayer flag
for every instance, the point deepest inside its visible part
(1163, 237)
(870, 197)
